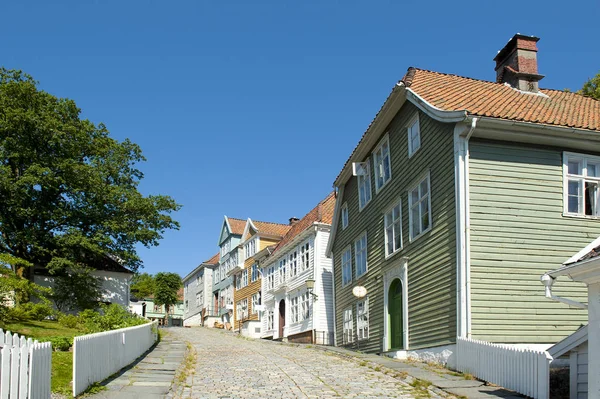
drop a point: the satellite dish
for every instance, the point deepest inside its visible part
(359, 291)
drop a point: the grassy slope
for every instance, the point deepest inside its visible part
(62, 362)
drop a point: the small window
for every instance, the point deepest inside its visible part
(362, 319)
(344, 216)
(381, 163)
(348, 326)
(360, 253)
(294, 309)
(364, 186)
(347, 266)
(392, 221)
(304, 256)
(419, 203)
(255, 274)
(270, 320)
(414, 136)
(256, 298)
(582, 177)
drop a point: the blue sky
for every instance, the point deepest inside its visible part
(250, 108)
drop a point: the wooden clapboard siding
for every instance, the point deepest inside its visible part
(518, 232)
(432, 263)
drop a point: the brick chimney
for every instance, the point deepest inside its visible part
(294, 220)
(516, 63)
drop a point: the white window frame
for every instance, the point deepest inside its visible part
(366, 181)
(304, 257)
(362, 319)
(414, 121)
(379, 160)
(254, 274)
(304, 307)
(250, 247)
(241, 309)
(356, 255)
(244, 278)
(238, 281)
(198, 299)
(293, 262)
(283, 270)
(583, 179)
(344, 216)
(347, 266)
(412, 235)
(256, 298)
(271, 277)
(387, 215)
(348, 326)
(270, 320)
(294, 309)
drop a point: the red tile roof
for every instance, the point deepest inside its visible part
(323, 213)
(237, 226)
(498, 100)
(214, 260)
(271, 228)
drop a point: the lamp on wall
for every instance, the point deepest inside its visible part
(310, 286)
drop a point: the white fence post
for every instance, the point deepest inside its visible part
(523, 370)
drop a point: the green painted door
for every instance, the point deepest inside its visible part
(395, 314)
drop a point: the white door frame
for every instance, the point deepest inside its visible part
(397, 270)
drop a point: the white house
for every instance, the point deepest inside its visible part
(297, 281)
(197, 295)
(584, 344)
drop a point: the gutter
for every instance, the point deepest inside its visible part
(548, 280)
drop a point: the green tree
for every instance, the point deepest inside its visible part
(165, 289)
(69, 191)
(142, 285)
(76, 288)
(591, 88)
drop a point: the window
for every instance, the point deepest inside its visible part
(233, 260)
(225, 248)
(362, 319)
(381, 163)
(304, 307)
(222, 271)
(255, 302)
(245, 278)
(364, 187)
(222, 298)
(270, 320)
(305, 256)
(294, 263)
(347, 266)
(282, 270)
(229, 295)
(294, 309)
(198, 299)
(419, 204)
(242, 309)
(217, 274)
(414, 136)
(344, 216)
(360, 251)
(582, 176)
(185, 288)
(157, 308)
(238, 281)
(271, 277)
(250, 247)
(186, 304)
(392, 221)
(255, 274)
(348, 326)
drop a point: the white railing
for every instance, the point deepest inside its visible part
(98, 356)
(25, 367)
(523, 370)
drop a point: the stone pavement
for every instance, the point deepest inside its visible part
(149, 377)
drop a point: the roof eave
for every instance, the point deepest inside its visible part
(586, 271)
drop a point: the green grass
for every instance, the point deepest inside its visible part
(62, 362)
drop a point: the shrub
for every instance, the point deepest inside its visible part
(68, 320)
(110, 317)
(30, 311)
(61, 343)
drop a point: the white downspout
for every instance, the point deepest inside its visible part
(468, 227)
(548, 280)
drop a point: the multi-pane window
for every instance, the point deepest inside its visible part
(222, 271)
(271, 277)
(233, 260)
(245, 278)
(381, 163)
(392, 221)
(225, 247)
(419, 204)
(582, 176)
(157, 308)
(242, 309)
(414, 136)
(198, 299)
(347, 266)
(255, 302)
(217, 274)
(238, 281)
(293, 263)
(255, 274)
(360, 251)
(304, 256)
(270, 320)
(294, 309)
(362, 319)
(348, 326)
(304, 307)
(344, 216)
(364, 186)
(250, 247)
(282, 270)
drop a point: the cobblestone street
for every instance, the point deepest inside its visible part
(229, 366)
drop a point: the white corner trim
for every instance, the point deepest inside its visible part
(399, 270)
(434, 112)
(334, 224)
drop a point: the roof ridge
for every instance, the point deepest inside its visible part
(262, 221)
(456, 76)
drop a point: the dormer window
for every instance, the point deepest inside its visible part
(250, 247)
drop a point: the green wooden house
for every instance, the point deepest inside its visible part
(459, 195)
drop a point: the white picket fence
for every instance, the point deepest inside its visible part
(25, 367)
(523, 370)
(98, 356)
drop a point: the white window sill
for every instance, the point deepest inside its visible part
(361, 275)
(579, 216)
(410, 154)
(364, 206)
(393, 253)
(421, 234)
(385, 183)
(347, 284)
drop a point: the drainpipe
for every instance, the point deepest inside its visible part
(468, 227)
(548, 280)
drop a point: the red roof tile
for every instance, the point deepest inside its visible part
(214, 260)
(271, 228)
(237, 226)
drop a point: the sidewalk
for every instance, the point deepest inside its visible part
(441, 378)
(149, 377)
